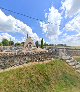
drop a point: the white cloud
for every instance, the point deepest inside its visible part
(53, 32)
(74, 24)
(10, 24)
(71, 40)
(6, 36)
(71, 7)
(51, 29)
(75, 8)
(66, 6)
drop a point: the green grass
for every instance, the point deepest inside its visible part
(75, 47)
(55, 76)
(71, 47)
(77, 58)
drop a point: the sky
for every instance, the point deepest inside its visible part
(60, 21)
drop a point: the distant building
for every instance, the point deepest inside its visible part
(29, 43)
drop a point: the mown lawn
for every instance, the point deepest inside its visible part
(55, 76)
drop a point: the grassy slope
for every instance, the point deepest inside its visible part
(55, 76)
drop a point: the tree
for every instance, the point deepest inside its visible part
(11, 43)
(1, 44)
(37, 44)
(42, 44)
(22, 43)
(45, 44)
(5, 42)
(17, 44)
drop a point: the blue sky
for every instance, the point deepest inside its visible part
(54, 10)
(31, 8)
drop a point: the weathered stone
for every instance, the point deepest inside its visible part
(19, 59)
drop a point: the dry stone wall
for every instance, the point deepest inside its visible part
(9, 60)
(72, 52)
(13, 60)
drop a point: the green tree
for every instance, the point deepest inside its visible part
(42, 43)
(11, 43)
(37, 44)
(45, 44)
(22, 43)
(17, 44)
(5, 42)
(1, 44)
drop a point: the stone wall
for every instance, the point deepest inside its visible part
(73, 52)
(7, 61)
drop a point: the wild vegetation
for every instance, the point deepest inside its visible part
(55, 76)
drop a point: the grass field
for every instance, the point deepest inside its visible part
(77, 58)
(55, 76)
(71, 47)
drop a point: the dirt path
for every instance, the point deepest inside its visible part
(24, 65)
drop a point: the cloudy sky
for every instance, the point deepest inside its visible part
(60, 20)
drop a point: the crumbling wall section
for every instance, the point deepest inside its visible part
(7, 61)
